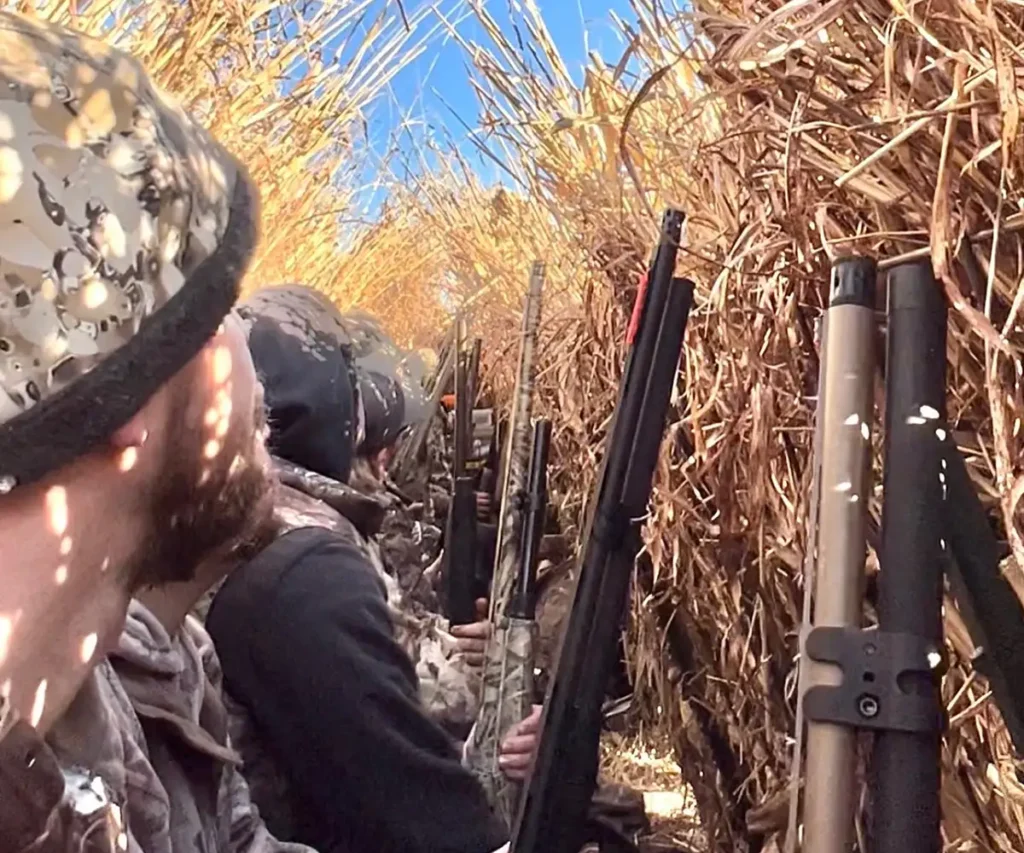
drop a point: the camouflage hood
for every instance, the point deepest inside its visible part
(124, 232)
(166, 674)
(184, 789)
(364, 512)
(390, 383)
(298, 343)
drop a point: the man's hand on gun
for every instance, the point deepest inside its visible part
(519, 745)
(471, 639)
(484, 505)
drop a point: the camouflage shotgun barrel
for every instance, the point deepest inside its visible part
(507, 686)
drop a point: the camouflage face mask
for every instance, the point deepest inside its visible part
(124, 232)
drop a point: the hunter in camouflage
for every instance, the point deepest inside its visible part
(448, 684)
(315, 364)
(124, 233)
(152, 723)
(340, 681)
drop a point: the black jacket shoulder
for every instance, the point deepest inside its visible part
(307, 646)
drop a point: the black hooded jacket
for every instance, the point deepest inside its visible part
(308, 649)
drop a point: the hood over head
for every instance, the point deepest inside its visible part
(299, 345)
(389, 383)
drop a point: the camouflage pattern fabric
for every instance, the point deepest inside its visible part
(410, 541)
(298, 347)
(307, 499)
(268, 783)
(375, 354)
(100, 732)
(152, 725)
(49, 809)
(508, 688)
(110, 198)
(306, 314)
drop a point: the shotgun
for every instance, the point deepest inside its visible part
(881, 679)
(461, 589)
(508, 672)
(500, 706)
(555, 802)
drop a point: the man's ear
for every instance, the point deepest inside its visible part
(128, 440)
(135, 433)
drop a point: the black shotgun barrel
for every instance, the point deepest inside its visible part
(463, 414)
(523, 603)
(473, 376)
(906, 766)
(461, 586)
(552, 817)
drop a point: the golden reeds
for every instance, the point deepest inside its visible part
(789, 132)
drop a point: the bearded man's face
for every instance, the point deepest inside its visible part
(211, 492)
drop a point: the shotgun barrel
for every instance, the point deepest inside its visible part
(461, 548)
(523, 603)
(906, 767)
(849, 370)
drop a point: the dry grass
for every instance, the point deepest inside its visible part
(788, 132)
(646, 763)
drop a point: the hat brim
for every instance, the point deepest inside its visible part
(80, 417)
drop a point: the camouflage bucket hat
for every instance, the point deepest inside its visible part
(124, 232)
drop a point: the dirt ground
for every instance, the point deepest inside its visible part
(650, 768)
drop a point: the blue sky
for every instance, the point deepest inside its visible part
(435, 87)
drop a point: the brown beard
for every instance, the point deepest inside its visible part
(195, 520)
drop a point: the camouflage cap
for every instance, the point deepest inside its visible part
(124, 232)
(301, 311)
(299, 341)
